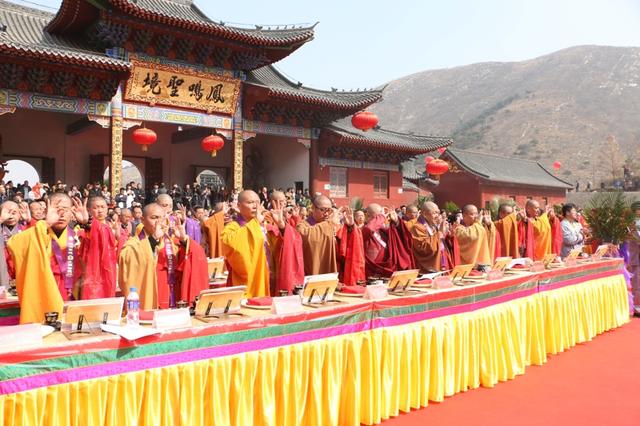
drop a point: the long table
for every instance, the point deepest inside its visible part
(355, 362)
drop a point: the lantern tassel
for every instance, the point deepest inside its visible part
(144, 148)
(214, 153)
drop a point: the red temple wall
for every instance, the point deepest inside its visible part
(463, 188)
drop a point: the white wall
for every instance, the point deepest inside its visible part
(285, 160)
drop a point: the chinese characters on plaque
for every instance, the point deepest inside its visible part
(159, 84)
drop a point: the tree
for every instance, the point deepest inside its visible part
(614, 156)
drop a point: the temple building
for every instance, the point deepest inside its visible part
(477, 178)
(75, 85)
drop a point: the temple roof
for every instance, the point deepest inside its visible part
(383, 138)
(281, 87)
(183, 14)
(22, 34)
(501, 169)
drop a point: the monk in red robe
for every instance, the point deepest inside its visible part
(286, 263)
(165, 268)
(98, 248)
(387, 243)
(332, 243)
(37, 209)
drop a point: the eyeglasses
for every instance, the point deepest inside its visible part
(323, 209)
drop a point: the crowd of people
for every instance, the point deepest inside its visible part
(65, 243)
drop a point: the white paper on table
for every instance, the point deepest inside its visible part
(129, 333)
(430, 276)
(14, 337)
(524, 261)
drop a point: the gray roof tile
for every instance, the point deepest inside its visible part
(25, 36)
(281, 86)
(497, 168)
(418, 144)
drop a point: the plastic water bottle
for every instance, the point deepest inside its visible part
(133, 308)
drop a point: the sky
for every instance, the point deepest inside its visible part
(364, 44)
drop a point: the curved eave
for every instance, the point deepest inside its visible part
(356, 139)
(64, 58)
(318, 100)
(490, 180)
(296, 38)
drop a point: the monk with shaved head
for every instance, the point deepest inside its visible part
(535, 231)
(164, 268)
(46, 260)
(387, 242)
(429, 232)
(331, 242)
(10, 216)
(243, 246)
(475, 237)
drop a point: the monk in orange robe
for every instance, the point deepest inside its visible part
(387, 243)
(536, 232)
(46, 261)
(164, 264)
(244, 247)
(411, 216)
(98, 250)
(428, 235)
(474, 237)
(507, 232)
(329, 245)
(212, 229)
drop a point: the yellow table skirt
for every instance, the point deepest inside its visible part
(350, 379)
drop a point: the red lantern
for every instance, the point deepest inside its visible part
(364, 120)
(144, 137)
(441, 150)
(212, 144)
(557, 165)
(437, 167)
(428, 159)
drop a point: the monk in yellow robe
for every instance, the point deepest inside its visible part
(474, 237)
(244, 249)
(538, 231)
(428, 232)
(165, 268)
(212, 229)
(507, 232)
(40, 280)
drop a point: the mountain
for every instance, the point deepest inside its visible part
(558, 107)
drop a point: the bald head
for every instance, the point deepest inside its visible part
(218, 207)
(166, 202)
(469, 214)
(430, 212)
(412, 212)
(373, 210)
(322, 210)
(126, 216)
(532, 208)
(152, 216)
(278, 200)
(248, 204)
(504, 210)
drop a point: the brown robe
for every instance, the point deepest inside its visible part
(318, 247)
(426, 247)
(476, 243)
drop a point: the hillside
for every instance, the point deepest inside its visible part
(561, 106)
